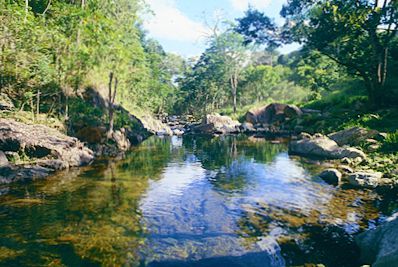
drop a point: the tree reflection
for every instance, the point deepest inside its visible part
(92, 215)
(323, 235)
(229, 156)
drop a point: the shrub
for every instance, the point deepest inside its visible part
(391, 142)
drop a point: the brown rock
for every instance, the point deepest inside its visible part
(273, 113)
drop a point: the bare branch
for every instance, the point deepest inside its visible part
(48, 6)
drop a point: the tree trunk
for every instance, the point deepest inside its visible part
(111, 101)
(38, 103)
(26, 9)
(234, 85)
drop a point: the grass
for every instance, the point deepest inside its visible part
(29, 118)
(391, 142)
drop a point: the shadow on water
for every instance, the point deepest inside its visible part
(196, 201)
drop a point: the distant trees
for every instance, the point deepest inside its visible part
(229, 74)
(215, 77)
(356, 34)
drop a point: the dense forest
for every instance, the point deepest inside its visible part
(51, 50)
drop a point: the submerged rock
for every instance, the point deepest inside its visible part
(379, 246)
(331, 176)
(323, 147)
(12, 173)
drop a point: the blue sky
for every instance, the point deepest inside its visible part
(180, 25)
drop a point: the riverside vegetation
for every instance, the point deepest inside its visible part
(82, 83)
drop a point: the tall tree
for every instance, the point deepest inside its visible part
(355, 34)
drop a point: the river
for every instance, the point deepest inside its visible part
(191, 201)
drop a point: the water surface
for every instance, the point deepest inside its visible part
(196, 201)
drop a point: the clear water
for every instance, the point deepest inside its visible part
(196, 201)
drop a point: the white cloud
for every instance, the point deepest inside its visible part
(170, 23)
(242, 5)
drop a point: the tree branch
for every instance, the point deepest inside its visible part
(48, 6)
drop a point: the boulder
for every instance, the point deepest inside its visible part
(322, 147)
(3, 159)
(39, 141)
(121, 140)
(12, 173)
(6, 102)
(331, 176)
(273, 113)
(379, 246)
(346, 169)
(155, 126)
(353, 136)
(217, 124)
(248, 127)
(367, 179)
(178, 132)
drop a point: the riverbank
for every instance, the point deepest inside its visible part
(34, 146)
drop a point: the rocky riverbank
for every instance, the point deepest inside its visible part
(352, 158)
(34, 151)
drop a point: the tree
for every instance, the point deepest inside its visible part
(111, 101)
(232, 58)
(355, 34)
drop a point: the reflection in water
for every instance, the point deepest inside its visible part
(227, 201)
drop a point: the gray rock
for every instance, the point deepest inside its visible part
(178, 132)
(12, 173)
(346, 161)
(367, 179)
(379, 247)
(373, 148)
(352, 136)
(3, 159)
(53, 164)
(248, 127)
(6, 103)
(381, 137)
(304, 136)
(121, 140)
(323, 147)
(346, 169)
(331, 176)
(155, 126)
(39, 141)
(273, 113)
(217, 124)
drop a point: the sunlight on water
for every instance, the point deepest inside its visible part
(196, 201)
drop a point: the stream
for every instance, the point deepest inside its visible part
(189, 201)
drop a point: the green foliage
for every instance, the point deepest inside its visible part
(358, 35)
(391, 142)
(85, 115)
(267, 84)
(58, 48)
